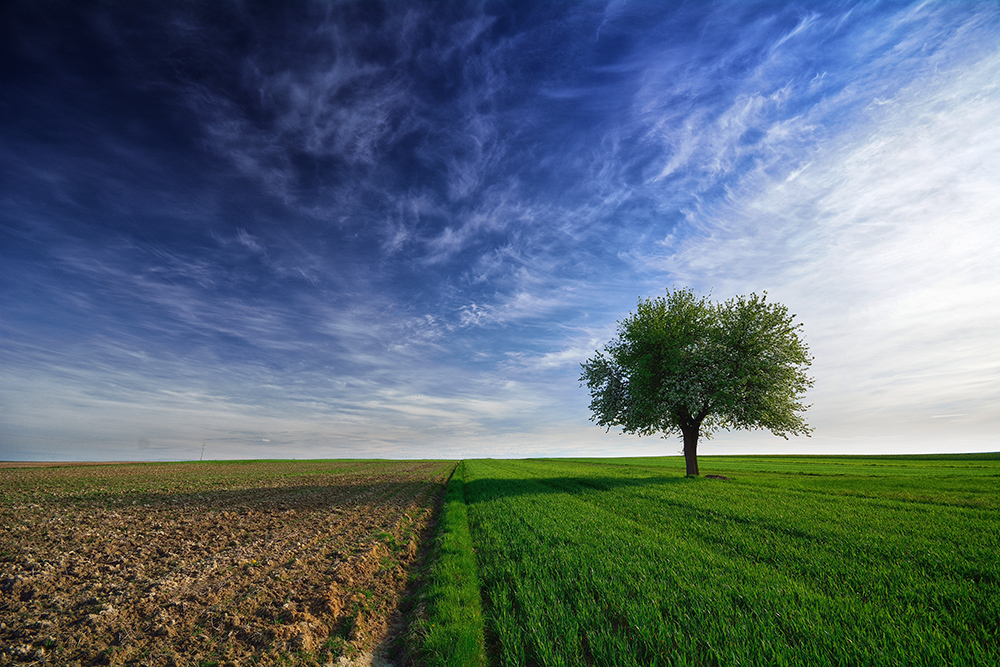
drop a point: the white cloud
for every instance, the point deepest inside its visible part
(887, 246)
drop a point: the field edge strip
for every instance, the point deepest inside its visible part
(453, 632)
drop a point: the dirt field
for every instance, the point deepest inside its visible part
(209, 563)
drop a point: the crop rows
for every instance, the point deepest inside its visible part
(202, 564)
(598, 563)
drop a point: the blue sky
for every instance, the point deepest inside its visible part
(396, 230)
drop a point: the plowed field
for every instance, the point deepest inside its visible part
(215, 563)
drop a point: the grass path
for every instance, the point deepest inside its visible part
(452, 633)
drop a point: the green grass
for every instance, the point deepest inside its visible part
(796, 560)
(453, 631)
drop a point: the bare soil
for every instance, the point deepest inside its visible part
(208, 563)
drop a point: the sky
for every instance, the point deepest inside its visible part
(362, 229)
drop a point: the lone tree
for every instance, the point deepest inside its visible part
(683, 364)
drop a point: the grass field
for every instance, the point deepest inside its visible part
(793, 561)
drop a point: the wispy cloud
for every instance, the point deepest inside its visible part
(884, 241)
(391, 226)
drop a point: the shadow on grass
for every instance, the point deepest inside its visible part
(486, 489)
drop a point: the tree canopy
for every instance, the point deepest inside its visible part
(682, 364)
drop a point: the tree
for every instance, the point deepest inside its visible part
(685, 365)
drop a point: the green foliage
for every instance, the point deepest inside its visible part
(859, 561)
(682, 359)
(683, 364)
(762, 367)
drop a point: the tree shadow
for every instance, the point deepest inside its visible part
(488, 488)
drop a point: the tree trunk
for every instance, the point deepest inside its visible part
(691, 448)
